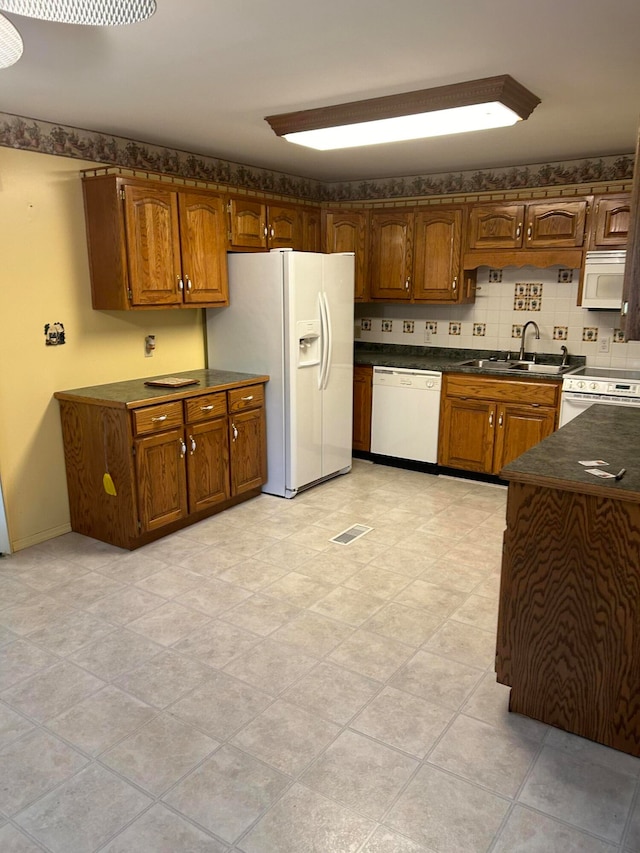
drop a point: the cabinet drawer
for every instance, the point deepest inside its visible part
(241, 399)
(203, 408)
(156, 418)
(539, 393)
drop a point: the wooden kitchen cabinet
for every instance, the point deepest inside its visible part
(257, 225)
(362, 400)
(417, 256)
(348, 231)
(610, 222)
(172, 462)
(537, 233)
(311, 230)
(153, 245)
(437, 266)
(487, 422)
(536, 225)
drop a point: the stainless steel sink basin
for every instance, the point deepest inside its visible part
(487, 363)
(540, 368)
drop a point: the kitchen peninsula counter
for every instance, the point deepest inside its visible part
(132, 393)
(568, 640)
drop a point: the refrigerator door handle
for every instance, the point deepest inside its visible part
(323, 342)
(329, 347)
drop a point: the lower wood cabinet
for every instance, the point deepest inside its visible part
(362, 398)
(171, 463)
(486, 422)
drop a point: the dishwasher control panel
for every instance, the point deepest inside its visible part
(402, 377)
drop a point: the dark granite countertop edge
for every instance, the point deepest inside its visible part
(132, 393)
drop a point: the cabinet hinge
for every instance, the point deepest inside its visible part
(122, 196)
(130, 294)
(229, 236)
(139, 525)
(228, 207)
(133, 450)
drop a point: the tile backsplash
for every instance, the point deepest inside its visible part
(503, 305)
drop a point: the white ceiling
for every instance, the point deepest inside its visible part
(200, 75)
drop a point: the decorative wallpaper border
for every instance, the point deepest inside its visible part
(46, 138)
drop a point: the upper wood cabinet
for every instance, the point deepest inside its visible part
(311, 230)
(347, 231)
(257, 225)
(152, 245)
(537, 225)
(610, 222)
(417, 256)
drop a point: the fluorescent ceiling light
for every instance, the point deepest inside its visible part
(102, 13)
(461, 107)
(10, 43)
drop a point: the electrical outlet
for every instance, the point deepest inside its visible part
(604, 343)
(149, 345)
(427, 336)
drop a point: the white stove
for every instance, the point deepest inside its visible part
(602, 385)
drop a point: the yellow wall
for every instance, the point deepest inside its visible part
(44, 278)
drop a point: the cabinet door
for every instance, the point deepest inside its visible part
(204, 244)
(496, 226)
(311, 231)
(207, 464)
(555, 224)
(610, 228)
(284, 227)
(162, 479)
(362, 377)
(247, 440)
(346, 231)
(437, 236)
(390, 268)
(519, 428)
(153, 245)
(248, 223)
(467, 431)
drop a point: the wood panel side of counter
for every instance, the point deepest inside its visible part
(97, 440)
(569, 618)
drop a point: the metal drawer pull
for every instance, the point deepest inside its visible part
(180, 283)
(491, 419)
(500, 420)
(455, 283)
(519, 229)
(529, 232)
(188, 280)
(193, 445)
(159, 418)
(235, 431)
(250, 397)
(183, 448)
(206, 408)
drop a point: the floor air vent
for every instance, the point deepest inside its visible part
(351, 534)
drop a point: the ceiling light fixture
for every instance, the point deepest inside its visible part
(10, 43)
(458, 108)
(97, 13)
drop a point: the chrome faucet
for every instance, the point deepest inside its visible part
(524, 330)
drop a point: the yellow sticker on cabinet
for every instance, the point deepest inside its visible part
(108, 485)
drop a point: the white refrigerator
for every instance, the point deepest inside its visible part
(291, 316)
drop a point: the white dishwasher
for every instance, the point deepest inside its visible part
(406, 413)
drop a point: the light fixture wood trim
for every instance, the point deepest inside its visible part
(502, 88)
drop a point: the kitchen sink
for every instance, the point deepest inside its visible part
(524, 366)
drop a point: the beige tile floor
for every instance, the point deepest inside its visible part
(247, 685)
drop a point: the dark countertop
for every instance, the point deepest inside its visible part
(446, 359)
(133, 393)
(611, 433)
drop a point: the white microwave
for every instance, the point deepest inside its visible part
(602, 281)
